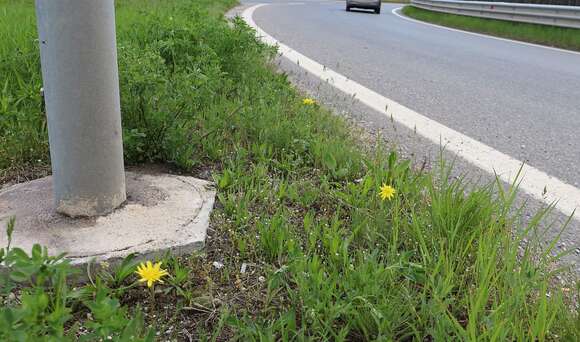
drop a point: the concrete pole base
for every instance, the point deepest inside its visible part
(163, 212)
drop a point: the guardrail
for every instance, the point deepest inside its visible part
(564, 16)
(539, 2)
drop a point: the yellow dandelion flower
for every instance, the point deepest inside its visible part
(308, 102)
(150, 273)
(387, 192)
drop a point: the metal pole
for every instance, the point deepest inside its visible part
(81, 87)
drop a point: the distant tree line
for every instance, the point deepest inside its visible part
(541, 2)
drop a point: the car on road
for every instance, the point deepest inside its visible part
(366, 4)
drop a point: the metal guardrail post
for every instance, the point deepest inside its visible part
(81, 86)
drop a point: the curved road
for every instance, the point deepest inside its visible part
(521, 100)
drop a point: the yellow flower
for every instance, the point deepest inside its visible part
(150, 273)
(387, 192)
(308, 102)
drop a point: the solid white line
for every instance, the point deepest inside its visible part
(534, 181)
(397, 12)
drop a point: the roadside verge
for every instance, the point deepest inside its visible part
(551, 36)
(535, 183)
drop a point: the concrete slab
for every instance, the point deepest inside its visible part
(162, 212)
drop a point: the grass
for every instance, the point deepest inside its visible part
(560, 37)
(23, 142)
(309, 250)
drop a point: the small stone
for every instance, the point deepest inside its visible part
(261, 279)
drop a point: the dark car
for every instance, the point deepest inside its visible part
(366, 4)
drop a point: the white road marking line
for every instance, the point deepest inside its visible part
(566, 197)
(397, 12)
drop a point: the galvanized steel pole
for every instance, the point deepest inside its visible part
(81, 87)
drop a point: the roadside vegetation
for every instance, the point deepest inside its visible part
(560, 37)
(313, 237)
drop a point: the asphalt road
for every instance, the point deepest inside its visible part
(521, 100)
